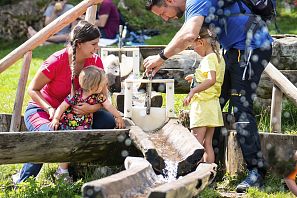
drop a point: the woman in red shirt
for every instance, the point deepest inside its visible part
(57, 77)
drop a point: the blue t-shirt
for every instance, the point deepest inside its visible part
(232, 35)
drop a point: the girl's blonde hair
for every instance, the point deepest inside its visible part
(91, 77)
(210, 36)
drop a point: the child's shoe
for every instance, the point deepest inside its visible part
(63, 176)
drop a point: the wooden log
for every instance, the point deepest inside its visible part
(185, 143)
(134, 181)
(282, 82)
(188, 186)
(146, 146)
(62, 146)
(276, 110)
(46, 32)
(234, 162)
(18, 103)
(270, 142)
(91, 14)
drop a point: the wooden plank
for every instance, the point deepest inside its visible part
(91, 14)
(276, 110)
(18, 103)
(282, 82)
(61, 146)
(46, 32)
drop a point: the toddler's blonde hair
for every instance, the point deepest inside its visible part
(91, 77)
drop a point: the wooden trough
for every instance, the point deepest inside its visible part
(178, 137)
(139, 180)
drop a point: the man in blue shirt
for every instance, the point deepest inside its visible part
(247, 52)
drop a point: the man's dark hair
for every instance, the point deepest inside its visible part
(150, 3)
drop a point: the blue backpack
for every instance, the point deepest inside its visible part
(266, 9)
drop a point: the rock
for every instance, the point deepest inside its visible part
(16, 18)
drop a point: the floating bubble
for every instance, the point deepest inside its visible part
(224, 131)
(286, 114)
(121, 138)
(128, 142)
(124, 153)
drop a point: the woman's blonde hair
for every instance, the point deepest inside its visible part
(210, 36)
(91, 77)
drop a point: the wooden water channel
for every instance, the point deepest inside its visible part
(141, 177)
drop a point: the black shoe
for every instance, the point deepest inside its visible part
(254, 179)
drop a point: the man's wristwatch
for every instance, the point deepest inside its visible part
(161, 54)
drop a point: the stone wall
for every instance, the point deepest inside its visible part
(284, 58)
(15, 18)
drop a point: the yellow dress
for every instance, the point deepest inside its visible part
(205, 106)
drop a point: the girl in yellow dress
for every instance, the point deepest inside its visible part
(205, 113)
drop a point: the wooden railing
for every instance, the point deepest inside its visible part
(281, 85)
(25, 50)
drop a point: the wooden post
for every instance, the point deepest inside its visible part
(18, 103)
(282, 82)
(91, 14)
(276, 110)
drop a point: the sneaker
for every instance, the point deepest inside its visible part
(15, 178)
(254, 179)
(65, 177)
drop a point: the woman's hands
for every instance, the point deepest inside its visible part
(51, 112)
(54, 124)
(85, 108)
(120, 124)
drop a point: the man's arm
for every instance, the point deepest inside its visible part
(182, 39)
(185, 36)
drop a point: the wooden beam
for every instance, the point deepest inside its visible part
(282, 82)
(46, 32)
(276, 110)
(18, 103)
(62, 146)
(91, 14)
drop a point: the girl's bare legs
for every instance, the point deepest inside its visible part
(64, 166)
(209, 156)
(199, 133)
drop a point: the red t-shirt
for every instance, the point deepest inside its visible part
(57, 69)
